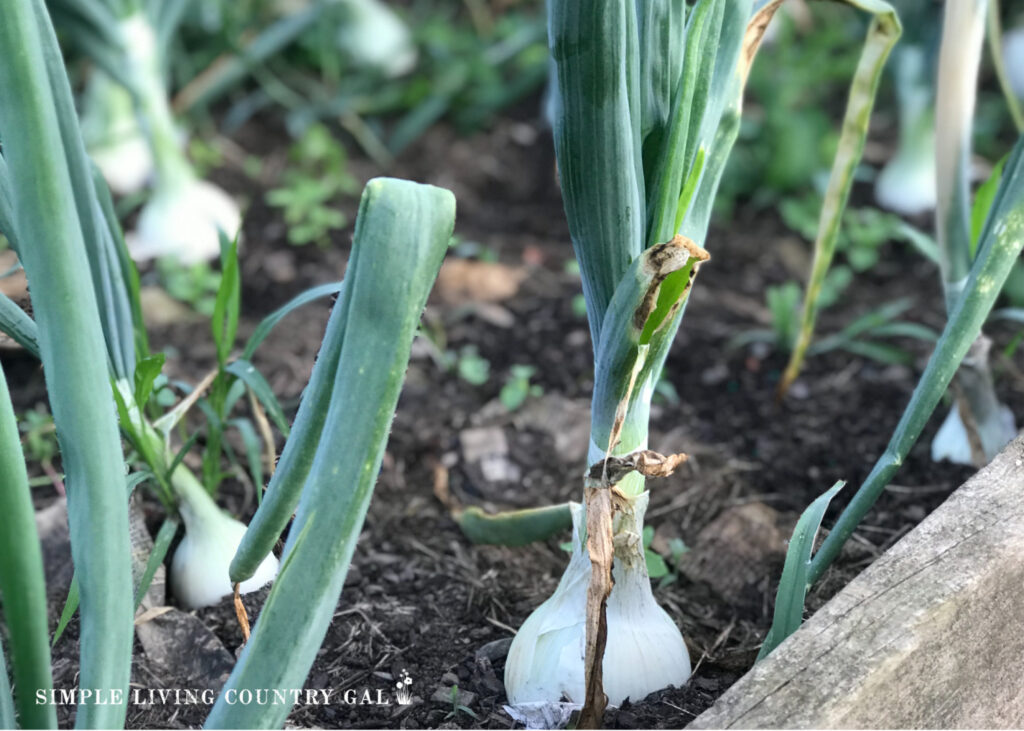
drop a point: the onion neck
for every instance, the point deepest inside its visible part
(194, 502)
(633, 437)
(173, 170)
(197, 508)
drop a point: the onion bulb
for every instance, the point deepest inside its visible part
(185, 222)
(372, 35)
(645, 651)
(907, 184)
(199, 569)
(994, 421)
(951, 441)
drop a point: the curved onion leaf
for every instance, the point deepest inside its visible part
(402, 233)
(793, 586)
(883, 33)
(38, 133)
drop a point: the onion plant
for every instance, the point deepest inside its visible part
(906, 184)
(372, 35)
(113, 135)
(646, 106)
(368, 33)
(88, 332)
(128, 41)
(973, 276)
(977, 426)
(328, 469)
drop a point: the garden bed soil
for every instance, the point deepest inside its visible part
(419, 598)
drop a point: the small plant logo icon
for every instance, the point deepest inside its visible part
(403, 688)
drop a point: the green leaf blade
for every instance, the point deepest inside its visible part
(789, 601)
(597, 141)
(22, 582)
(402, 233)
(71, 340)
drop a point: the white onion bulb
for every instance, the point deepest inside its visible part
(951, 442)
(645, 651)
(185, 216)
(373, 35)
(184, 222)
(907, 183)
(199, 569)
(1013, 60)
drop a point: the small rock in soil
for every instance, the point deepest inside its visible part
(495, 650)
(494, 314)
(180, 643)
(485, 677)
(565, 420)
(488, 447)
(718, 373)
(461, 281)
(279, 266)
(488, 441)
(738, 552)
(159, 309)
(14, 284)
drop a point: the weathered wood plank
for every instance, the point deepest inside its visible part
(930, 636)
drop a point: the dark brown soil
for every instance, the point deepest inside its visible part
(419, 597)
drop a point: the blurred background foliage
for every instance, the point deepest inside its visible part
(308, 65)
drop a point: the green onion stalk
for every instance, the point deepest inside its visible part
(22, 582)
(978, 425)
(327, 470)
(49, 230)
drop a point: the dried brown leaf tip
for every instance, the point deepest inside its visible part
(241, 614)
(610, 472)
(652, 464)
(659, 262)
(755, 33)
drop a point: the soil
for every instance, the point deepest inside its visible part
(419, 597)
